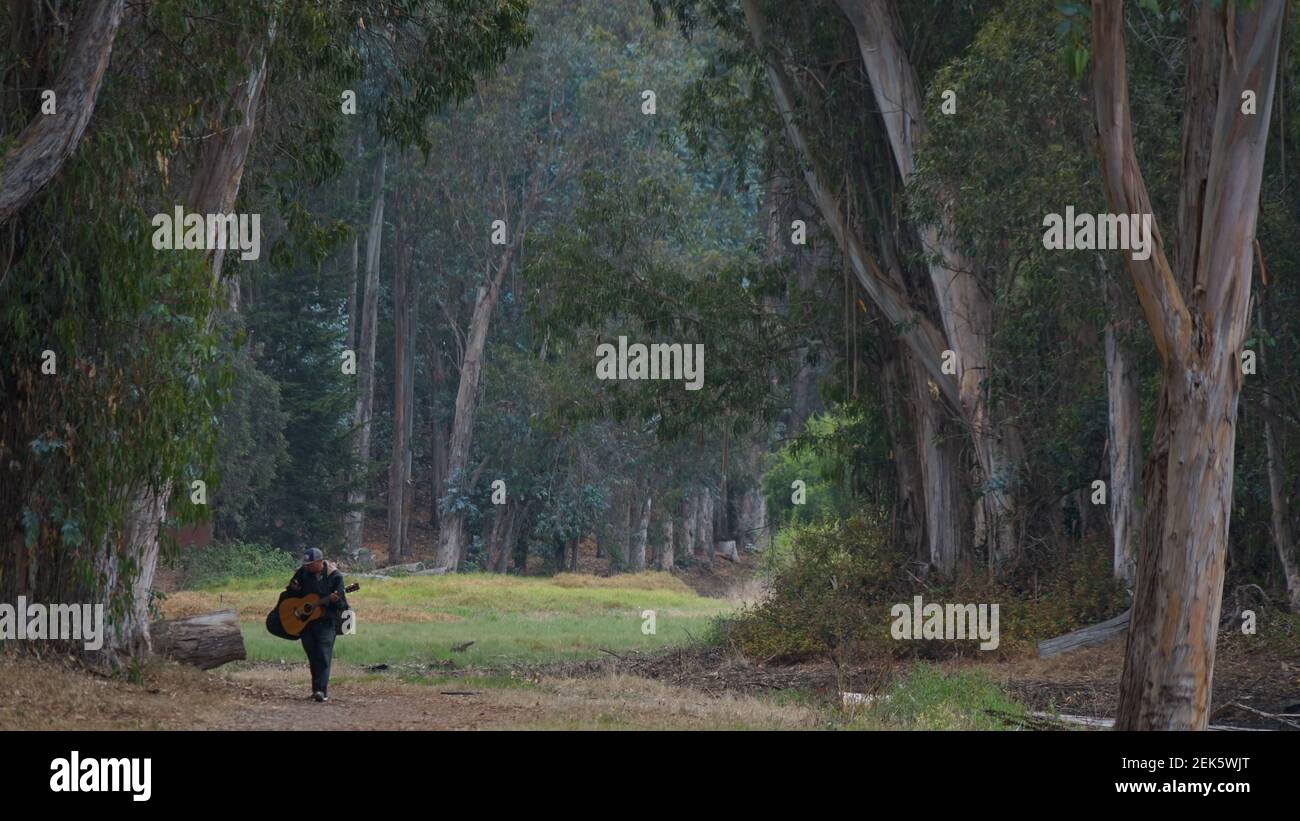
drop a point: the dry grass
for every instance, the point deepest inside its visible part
(58, 695)
(630, 703)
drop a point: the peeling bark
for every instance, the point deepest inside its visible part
(49, 140)
(1169, 658)
(1125, 448)
(964, 308)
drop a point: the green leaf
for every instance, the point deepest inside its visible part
(1080, 60)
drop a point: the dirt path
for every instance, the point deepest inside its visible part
(273, 698)
(54, 695)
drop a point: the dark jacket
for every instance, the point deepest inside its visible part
(329, 581)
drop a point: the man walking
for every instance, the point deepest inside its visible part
(325, 580)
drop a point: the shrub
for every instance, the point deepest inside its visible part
(221, 562)
(832, 580)
(832, 585)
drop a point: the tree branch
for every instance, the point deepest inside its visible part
(49, 140)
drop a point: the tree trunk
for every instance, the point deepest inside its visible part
(1169, 659)
(636, 557)
(517, 518)
(684, 527)
(403, 404)
(690, 522)
(1125, 429)
(408, 481)
(356, 515)
(964, 308)
(938, 457)
(664, 555)
(805, 399)
(451, 532)
(704, 539)
(924, 341)
(129, 568)
(1279, 501)
(915, 330)
(354, 319)
(499, 539)
(752, 515)
(438, 433)
(780, 208)
(214, 188)
(49, 139)
(909, 516)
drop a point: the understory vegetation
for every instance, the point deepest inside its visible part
(833, 583)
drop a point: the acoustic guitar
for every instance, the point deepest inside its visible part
(293, 613)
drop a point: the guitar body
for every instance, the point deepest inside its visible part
(293, 613)
(298, 612)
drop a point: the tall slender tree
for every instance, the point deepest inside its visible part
(1199, 316)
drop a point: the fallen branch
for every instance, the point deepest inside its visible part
(1281, 718)
(1087, 637)
(1109, 723)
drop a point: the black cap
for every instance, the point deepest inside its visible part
(313, 554)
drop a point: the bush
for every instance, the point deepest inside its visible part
(832, 585)
(221, 562)
(829, 582)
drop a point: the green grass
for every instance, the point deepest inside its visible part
(498, 639)
(510, 619)
(929, 699)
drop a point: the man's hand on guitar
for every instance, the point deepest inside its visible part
(334, 597)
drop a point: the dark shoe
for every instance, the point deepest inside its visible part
(318, 696)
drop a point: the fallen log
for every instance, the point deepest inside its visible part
(394, 571)
(207, 640)
(1109, 723)
(1087, 637)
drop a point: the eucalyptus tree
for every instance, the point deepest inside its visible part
(1197, 307)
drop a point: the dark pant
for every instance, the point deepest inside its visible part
(318, 641)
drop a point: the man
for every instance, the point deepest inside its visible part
(324, 579)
